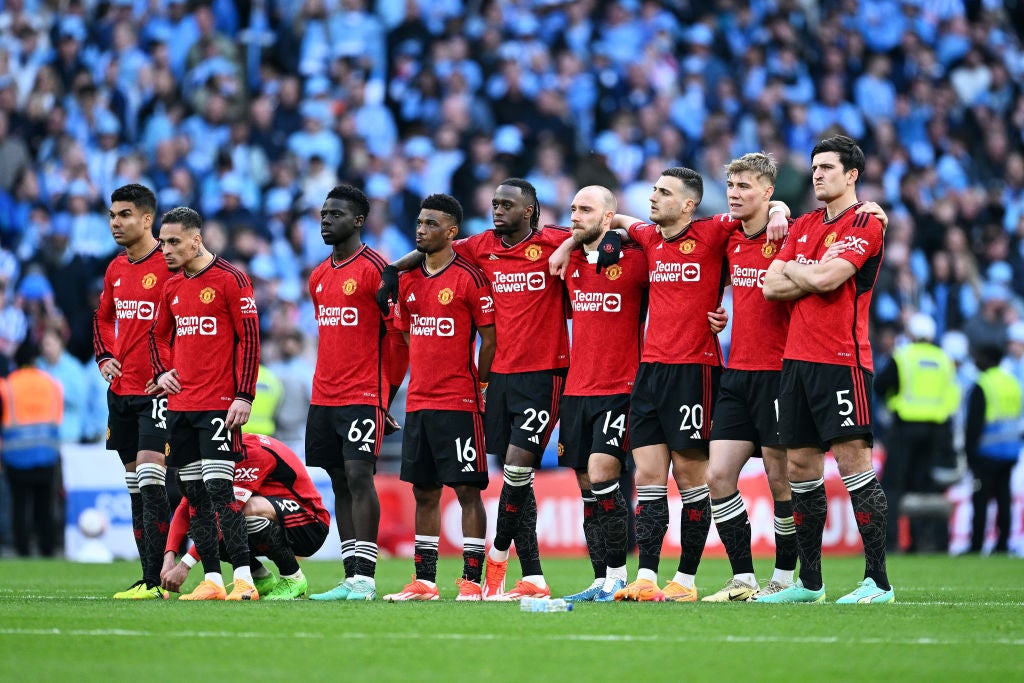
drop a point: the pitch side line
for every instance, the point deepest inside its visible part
(11, 595)
(585, 638)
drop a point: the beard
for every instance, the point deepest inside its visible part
(588, 234)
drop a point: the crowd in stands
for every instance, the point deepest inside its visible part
(251, 111)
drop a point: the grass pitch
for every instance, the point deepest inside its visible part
(957, 619)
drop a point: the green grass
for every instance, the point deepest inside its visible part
(956, 619)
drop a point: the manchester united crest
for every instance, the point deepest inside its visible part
(207, 295)
(149, 282)
(613, 272)
(167, 450)
(533, 252)
(687, 246)
(769, 249)
(830, 239)
(445, 296)
(561, 449)
(349, 287)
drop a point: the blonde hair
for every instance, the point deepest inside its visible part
(761, 164)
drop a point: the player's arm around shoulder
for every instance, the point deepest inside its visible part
(558, 262)
(472, 247)
(779, 221)
(409, 261)
(488, 346)
(621, 223)
(875, 210)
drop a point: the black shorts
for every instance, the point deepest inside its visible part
(304, 533)
(335, 434)
(747, 408)
(671, 404)
(819, 403)
(444, 447)
(136, 423)
(195, 435)
(522, 409)
(593, 424)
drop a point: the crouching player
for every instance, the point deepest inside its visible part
(284, 517)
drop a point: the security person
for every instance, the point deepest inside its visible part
(33, 408)
(919, 387)
(269, 394)
(992, 440)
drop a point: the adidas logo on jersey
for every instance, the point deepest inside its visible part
(412, 297)
(468, 467)
(175, 302)
(614, 441)
(117, 283)
(320, 288)
(162, 424)
(223, 447)
(575, 273)
(802, 239)
(492, 257)
(658, 247)
(737, 249)
(534, 439)
(695, 435)
(848, 422)
(365, 447)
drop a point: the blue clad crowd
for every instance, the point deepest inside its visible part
(251, 110)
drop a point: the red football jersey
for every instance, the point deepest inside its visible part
(131, 293)
(529, 304)
(350, 352)
(441, 313)
(608, 314)
(833, 327)
(759, 327)
(268, 468)
(687, 275)
(211, 317)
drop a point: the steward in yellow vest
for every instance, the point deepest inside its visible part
(920, 388)
(269, 393)
(992, 439)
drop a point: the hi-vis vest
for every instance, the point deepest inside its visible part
(928, 388)
(269, 393)
(32, 413)
(1002, 438)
